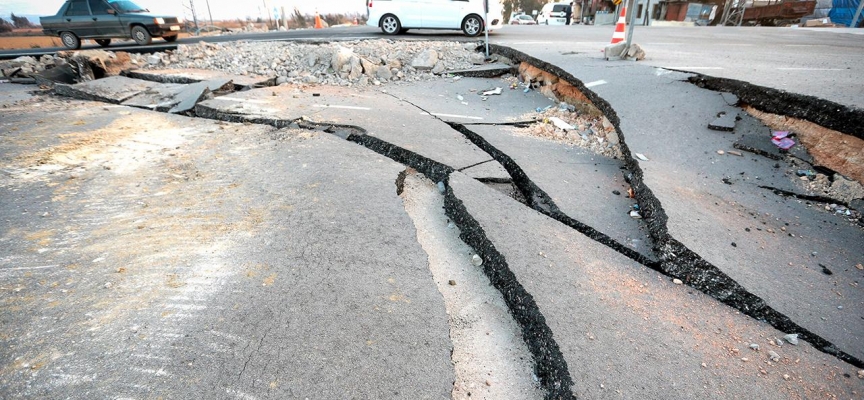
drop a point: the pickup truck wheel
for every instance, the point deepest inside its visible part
(103, 42)
(171, 39)
(71, 41)
(141, 36)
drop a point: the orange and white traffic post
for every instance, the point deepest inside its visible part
(318, 24)
(618, 36)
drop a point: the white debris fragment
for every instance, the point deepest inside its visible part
(635, 214)
(640, 156)
(476, 260)
(561, 124)
(495, 91)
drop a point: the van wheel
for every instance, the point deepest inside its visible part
(103, 42)
(390, 24)
(71, 41)
(472, 25)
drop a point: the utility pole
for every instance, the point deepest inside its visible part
(191, 7)
(208, 12)
(630, 23)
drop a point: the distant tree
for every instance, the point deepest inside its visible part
(21, 22)
(299, 19)
(5, 26)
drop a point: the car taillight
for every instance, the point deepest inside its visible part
(370, 4)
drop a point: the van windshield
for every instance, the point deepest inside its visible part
(558, 8)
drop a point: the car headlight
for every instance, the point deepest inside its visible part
(158, 21)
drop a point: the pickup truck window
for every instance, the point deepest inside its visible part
(78, 7)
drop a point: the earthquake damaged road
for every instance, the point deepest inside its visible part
(187, 233)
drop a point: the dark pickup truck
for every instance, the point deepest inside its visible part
(104, 20)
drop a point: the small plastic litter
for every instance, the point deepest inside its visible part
(558, 122)
(441, 187)
(476, 260)
(541, 109)
(495, 91)
(784, 143)
(781, 139)
(459, 96)
(640, 156)
(526, 90)
(635, 214)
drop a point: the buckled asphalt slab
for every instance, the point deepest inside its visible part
(113, 89)
(379, 114)
(580, 182)
(191, 75)
(156, 255)
(728, 225)
(442, 98)
(628, 332)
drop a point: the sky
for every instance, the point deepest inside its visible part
(221, 9)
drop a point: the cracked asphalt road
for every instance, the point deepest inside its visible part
(254, 252)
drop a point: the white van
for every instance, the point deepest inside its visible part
(397, 16)
(553, 14)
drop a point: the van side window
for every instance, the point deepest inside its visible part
(77, 7)
(99, 7)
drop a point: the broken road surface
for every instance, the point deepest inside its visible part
(413, 240)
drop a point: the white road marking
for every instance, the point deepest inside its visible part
(345, 107)
(533, 42)
(450, 115)
(689, 68)
(595, 83)
(812, 69)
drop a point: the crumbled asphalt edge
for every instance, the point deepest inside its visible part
(822, 112)
(676, 259)
(807, 197)
(549, 364)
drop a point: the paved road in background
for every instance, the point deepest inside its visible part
(826, 63)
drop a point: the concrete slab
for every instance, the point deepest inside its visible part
(760, 145)
(580, 182)
(191, 75)
(443, 99)
(113, 89)
(627, 332)
(189, 258)
(406, 126)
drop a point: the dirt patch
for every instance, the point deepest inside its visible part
(838, 151)
(29, 42)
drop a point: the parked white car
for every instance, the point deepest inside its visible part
(553, 14)
(397, 16)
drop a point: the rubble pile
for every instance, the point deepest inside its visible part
(342, 64)
(566, 124)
